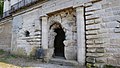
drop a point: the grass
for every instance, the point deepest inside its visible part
(2, 52)
(4, 56)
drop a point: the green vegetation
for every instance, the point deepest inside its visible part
(109, 66)
(4, 56)
(2, 52)
(1, 6)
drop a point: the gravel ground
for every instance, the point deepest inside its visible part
(35, 63)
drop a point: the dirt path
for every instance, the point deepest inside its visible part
(11, 61)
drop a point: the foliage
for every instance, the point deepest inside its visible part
(1, 6)
(2, 52)
(109, 66)
(4, 56)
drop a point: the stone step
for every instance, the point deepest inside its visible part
(61, 61)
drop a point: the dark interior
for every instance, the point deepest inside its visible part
(27, 33)
(58, 42)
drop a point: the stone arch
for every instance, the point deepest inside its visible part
(57, 36)
(67, 22)
(67, 42)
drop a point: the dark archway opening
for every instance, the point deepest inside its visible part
(27, 33)
(58, 42)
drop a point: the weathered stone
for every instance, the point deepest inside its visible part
(92, 37)
(95, 6)
(91, 50)
(90, 22)
(99, 41)
(101, 60)
(117, 30)
(91, 59)
(48, 54)
(69, 43)
(93, 27)
(92, 32)
(117, 55)
(100, 50)
(71, 52)
(90, 46)
(91, 16)
(95, 54)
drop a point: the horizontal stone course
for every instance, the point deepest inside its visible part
(92, 32)
(93, 27)
(96, 46)
(95, 54)
(90, 22)
(92, 37)
(100, 60)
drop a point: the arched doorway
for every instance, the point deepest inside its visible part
(56, 38)
(58, 42)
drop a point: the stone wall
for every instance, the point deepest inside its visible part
(102, 32)
(110, 30)
(102, 29)
(22, 44)
(5, 35)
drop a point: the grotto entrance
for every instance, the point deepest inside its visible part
(58, 42)
(56, 38)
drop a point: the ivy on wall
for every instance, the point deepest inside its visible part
(1, 6)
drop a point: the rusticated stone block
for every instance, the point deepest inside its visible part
(98, 20)
(99, 41)
(89, 22)
(90, 59)
(100, 50)
(101, 60)
(117, 30)
(95, 46)
(93, 27)
(90, 42)
(92, 32)
(95, 54)
(91, 16)
(91, 50)
(92, 37)
(89, 13)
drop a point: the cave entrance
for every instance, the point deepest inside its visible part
(58, 42)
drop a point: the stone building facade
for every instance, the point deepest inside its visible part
(85, 31)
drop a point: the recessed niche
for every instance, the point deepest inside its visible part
(27, 33)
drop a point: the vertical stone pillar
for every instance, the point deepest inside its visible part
(44, 33)
(6, 5)
(80, 35)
